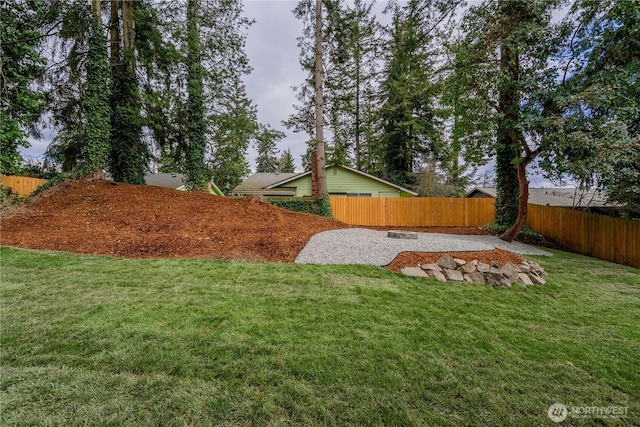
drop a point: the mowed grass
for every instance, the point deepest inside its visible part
(102, 341)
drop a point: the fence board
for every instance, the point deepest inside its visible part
(413, 211)
(22, 185)
(609, 238)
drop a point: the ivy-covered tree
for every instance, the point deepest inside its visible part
(196, 126)
(95, 100)
(21, 33)
(128, 152)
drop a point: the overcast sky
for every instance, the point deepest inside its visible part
(273, 54)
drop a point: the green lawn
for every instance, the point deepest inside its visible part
(97, 340)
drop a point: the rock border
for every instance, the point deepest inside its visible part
(449, 269)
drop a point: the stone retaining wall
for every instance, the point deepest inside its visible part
(449, 269)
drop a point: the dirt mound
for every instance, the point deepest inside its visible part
(102, 217)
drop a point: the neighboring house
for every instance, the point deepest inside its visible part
(173, 180)
(560, 197)
(341, 181)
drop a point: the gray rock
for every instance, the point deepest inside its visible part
(491, 280)
(447, 261)
(414, 271)
(475, 277)
(535, 267)
(459, 261)
(453, 275)
(524, 267)
(496, 273)
(509, 270)
(431, 267)
(467, 268)
(537, 280)
(466, 278)
(524, 278)
(483, 268)
(495, 264)
(505, 282)
(437, 275)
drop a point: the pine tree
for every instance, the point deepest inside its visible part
(410, 121)
(233, 129)
(319, 178)
(20, 105)
(266, 141)
(351, 79)
(286, 163)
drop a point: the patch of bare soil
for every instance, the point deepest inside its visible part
(414, 259)
(102, 217)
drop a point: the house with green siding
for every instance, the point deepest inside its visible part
(342, 181)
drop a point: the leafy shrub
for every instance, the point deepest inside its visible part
(8, 196)
(320, 206)
(324, 207)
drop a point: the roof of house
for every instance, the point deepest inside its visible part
(262, 181)
(556, 196)
(168, 180)
(300, 175)
(173, 180)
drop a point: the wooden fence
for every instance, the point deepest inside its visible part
(22, 185)
(609, 238)
(413, 211)
(600, 236)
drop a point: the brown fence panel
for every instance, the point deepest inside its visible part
(413, 211)
(609, 238)
(22, 185)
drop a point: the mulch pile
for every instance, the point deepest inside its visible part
(102, 217)
(96, 216)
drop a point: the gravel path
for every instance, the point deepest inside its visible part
(373, 247)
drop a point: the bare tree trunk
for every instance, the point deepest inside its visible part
(321, 186)
(96, 8)
(114, 35)
(128, 34)
(523, 204)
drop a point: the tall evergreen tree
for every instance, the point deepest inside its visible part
(351, 79)
(286, 163)
(319, 178)
(409, 118)
(21, 27)
(233, 128)
(266, 141)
